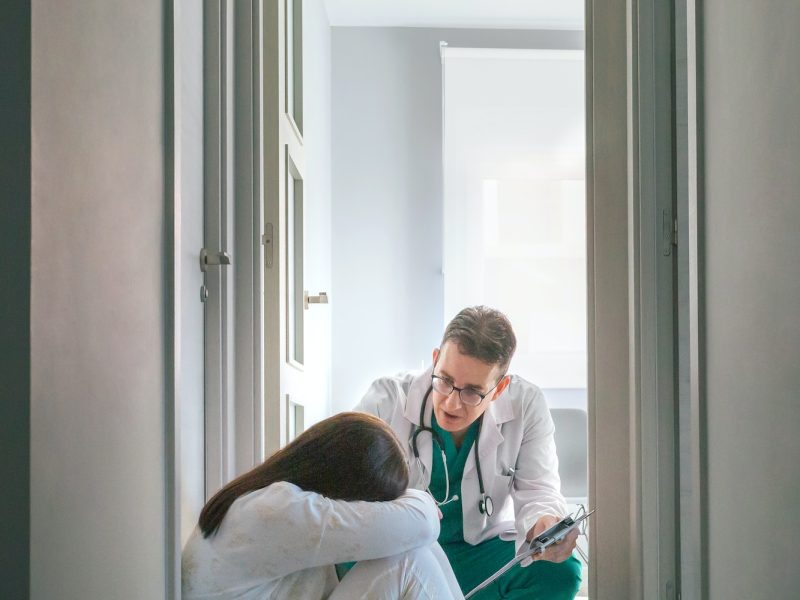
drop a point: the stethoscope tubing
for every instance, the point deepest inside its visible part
(485, 504)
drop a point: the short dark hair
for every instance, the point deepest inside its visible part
(349, 456)
(483, 333)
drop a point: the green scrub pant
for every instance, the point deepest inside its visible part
(542, 580)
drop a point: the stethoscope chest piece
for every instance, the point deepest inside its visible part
(486, 506)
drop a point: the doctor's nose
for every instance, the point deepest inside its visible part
(453, 399)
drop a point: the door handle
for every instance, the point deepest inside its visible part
(321, 298)
(210, 259)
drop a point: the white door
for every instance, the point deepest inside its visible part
(285, 297)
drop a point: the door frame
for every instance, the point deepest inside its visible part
(238, 409)
(617, 423)
(172, 300)
(234, 310)
(632, 385)
(218, 235)
(692, 461)
(248, 212)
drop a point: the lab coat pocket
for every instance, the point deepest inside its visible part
(506, 475)
(501, 488)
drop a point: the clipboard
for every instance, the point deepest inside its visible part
(539, 544)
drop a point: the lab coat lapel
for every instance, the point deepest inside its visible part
(416, 396)
(498, 413)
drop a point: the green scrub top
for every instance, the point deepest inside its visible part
(452, 524)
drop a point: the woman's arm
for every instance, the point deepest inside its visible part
(352, 531)
(304, 529)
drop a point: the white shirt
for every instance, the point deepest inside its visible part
(282, 542)
(517, 453)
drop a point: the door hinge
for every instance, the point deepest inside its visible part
(669, 591)
(669, 231)
(675, 232)
(267, 240)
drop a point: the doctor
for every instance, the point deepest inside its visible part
(481, 442)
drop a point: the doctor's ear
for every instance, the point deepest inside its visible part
(435, 355)
(501, 386)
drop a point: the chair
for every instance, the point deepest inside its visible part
(571, 437)
(572, 447)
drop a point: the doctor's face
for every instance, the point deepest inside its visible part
(463, 371)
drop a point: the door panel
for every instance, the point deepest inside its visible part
(284, 212)
(295, 232)
(294, 367)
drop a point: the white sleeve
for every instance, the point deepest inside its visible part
(537, 484)
(307, 530)
(380, 398)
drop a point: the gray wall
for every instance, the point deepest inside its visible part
(387, 194)
(98, 301)
(751, 90)
(15, 246)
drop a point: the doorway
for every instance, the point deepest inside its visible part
(406, 288)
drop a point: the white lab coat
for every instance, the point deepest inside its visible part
(282, 542)
(517, 453)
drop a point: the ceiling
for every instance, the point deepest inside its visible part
(479, 14)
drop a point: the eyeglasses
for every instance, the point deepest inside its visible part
(468, 396)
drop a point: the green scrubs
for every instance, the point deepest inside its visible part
(473, 564)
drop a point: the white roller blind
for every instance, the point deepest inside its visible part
(514, 200)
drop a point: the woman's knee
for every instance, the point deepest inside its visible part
(417, 558)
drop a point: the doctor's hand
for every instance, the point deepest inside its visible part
(558, 552)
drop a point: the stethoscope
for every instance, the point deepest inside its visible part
(485, 504)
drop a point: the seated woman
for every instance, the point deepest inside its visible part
(335, 494)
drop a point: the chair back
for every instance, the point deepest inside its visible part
(572, 447)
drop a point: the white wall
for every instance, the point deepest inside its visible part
(317, 140)
(515, 193)
(98, 301)
(751, 92)
(387, 194)
(190, 375)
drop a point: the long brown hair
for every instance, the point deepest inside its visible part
(349, 456)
